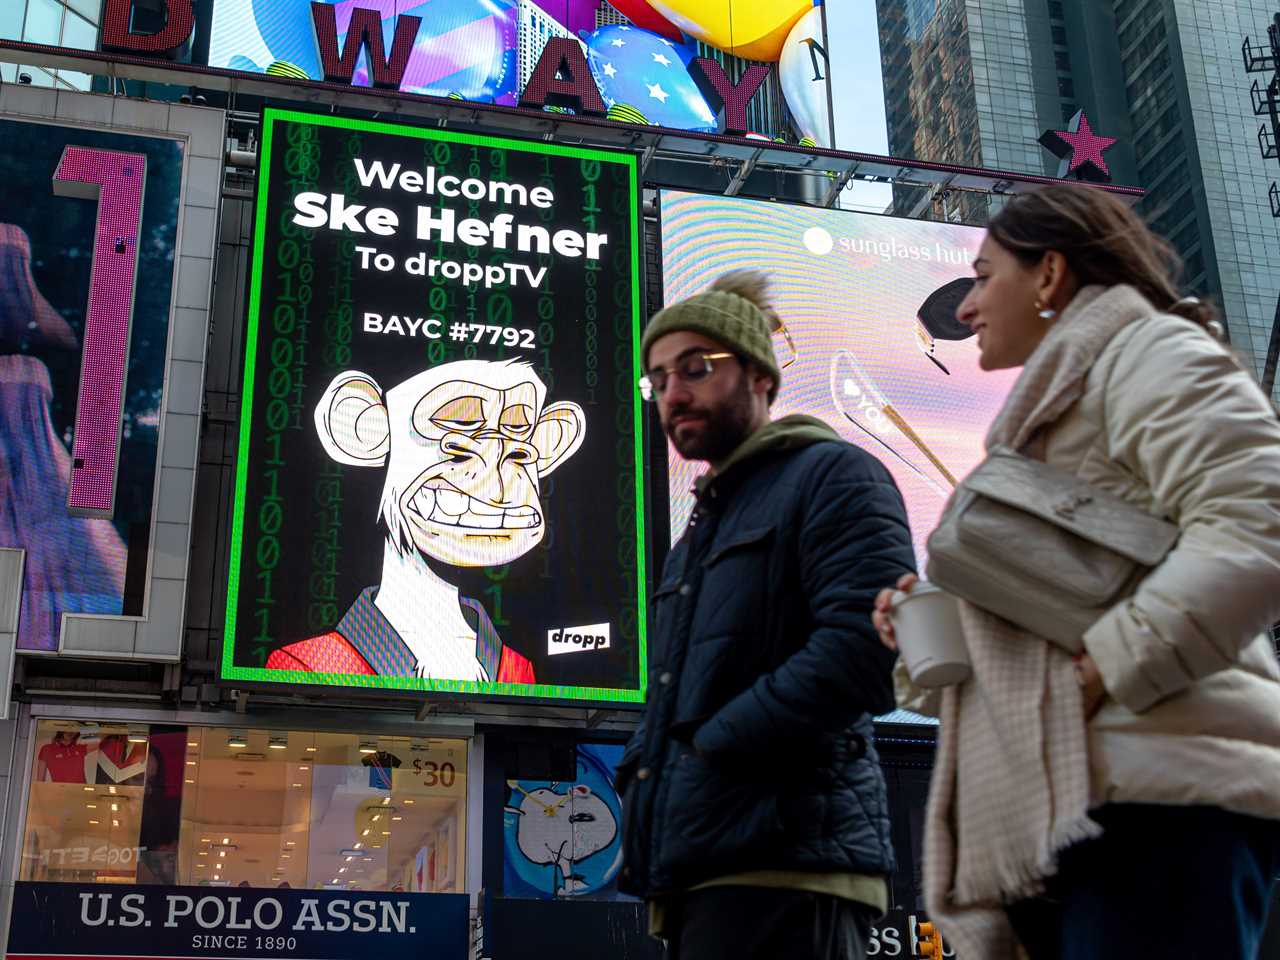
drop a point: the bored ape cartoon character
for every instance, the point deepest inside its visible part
(465, 445)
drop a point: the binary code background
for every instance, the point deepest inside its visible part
(307, 527)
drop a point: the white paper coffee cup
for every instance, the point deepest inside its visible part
(926, 624)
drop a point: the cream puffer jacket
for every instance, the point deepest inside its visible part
(1170, 422)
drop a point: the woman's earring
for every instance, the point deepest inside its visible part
(1045, 313)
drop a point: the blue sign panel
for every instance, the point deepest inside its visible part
(65, 920)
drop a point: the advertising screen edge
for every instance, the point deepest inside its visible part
(537, 692)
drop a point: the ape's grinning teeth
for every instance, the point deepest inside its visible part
(453, 508)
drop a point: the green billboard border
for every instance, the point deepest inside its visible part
(536, 691)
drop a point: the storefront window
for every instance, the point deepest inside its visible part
(245, 807)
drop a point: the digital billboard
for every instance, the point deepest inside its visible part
(88, 241)
(869, 304)
(439, 479)
(636, 56)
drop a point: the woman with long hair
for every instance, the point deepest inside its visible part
(1123, 801)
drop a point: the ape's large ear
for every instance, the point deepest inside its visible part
(352, 421)
(558, 435)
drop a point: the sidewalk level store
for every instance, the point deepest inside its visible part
(205, 806)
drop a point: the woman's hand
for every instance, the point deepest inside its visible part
(1092, 690)
(884, 604)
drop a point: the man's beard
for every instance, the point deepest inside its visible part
(722, 430)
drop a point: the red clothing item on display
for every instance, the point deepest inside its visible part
(65, 761)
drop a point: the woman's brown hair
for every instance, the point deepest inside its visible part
(1104, 242)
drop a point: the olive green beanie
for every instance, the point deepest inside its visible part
(734, 312)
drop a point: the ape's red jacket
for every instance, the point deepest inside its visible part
(364, 642)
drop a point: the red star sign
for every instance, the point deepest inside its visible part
(1081, 148)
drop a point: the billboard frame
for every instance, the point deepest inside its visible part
(540, 693)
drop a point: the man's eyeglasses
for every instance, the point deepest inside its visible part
(690, 369)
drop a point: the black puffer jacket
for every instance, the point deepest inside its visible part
(755, 751)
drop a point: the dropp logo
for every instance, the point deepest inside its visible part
(578, 639)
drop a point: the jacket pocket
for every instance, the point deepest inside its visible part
(738, 587)
(743, 540)
(717, 819)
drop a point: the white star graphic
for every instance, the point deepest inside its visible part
(659, 58)
(609, 69)
(619, 42)
(656, 91)
(666, 41)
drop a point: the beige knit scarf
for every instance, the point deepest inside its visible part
(1010, 786)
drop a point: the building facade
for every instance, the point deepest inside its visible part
(979, 81)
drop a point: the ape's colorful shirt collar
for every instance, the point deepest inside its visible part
(366, 628)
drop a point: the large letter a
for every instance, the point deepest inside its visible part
(364, 31)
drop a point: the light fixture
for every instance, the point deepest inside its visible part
(376, 816)
(290, 843)
(222, 853)
(386, 801)
(304, 769)
(137, 733)
(348, 859)
(191, 763)
(334, 880)
(206, 840)
(278, 742)
(226, 840)
(111, 789)
(386, 833)
(188, 781)
(342, 869)
(201, 866)
(203, 853)
(284, 856)
(365, 832)
(94, 822)
(297, 784)
(193, 743)
(408, 801)
(312, 749)
(368, 746)
(88, 789)
(92, 806)
(397, 818)
(237, 738)
(115, 823)
(115, 808)
(217, 876)
(357, 845)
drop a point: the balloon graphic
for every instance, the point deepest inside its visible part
(754, 29)
(468, 46)
(288, 33)
(463, 45)
(802, 70)
(649, 74)
(646, 18)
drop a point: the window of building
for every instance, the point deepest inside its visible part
(1068, 111)
(65, 23)
(1062, 60)
(1059, 35)
(259, 808)
(1055, 10)
(1066, 87)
